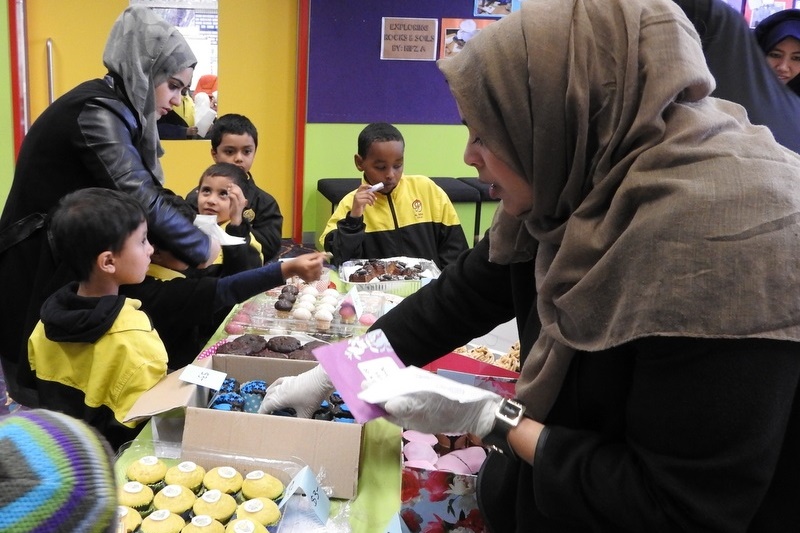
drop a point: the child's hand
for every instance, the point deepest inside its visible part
(307, 267)
(364, 197)
(238, 203)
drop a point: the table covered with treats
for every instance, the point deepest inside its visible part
(359, 467)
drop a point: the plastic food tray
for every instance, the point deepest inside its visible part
(400, 287)
(258, 316)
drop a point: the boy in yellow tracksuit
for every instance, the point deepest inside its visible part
(409, 216)
(94, 352)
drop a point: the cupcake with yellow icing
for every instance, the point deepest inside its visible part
(224, 479)
(162, 521)
(244, 525)
(176, 499)
(216, 504)
(187, 474)
(203, 523)
(137, 496)
(260, 484)
(149, 470)
(261, 510)
(129, 518)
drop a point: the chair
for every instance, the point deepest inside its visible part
(469, 197)
(334, 189)
(483, 218)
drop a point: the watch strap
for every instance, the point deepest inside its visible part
(508, 415)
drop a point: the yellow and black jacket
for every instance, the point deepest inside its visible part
(415, 220)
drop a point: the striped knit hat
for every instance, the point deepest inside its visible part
(55, 475)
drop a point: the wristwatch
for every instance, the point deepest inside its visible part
(508, 415)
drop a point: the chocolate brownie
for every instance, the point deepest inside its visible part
(247, 344)
(266, 352)
(310, 345)
(283, 344)
(302, 355)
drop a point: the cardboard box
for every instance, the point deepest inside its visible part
(183, 427)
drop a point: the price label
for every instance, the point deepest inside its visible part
(205, 377)
(306, 481)
(358, 305)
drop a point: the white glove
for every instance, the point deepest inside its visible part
(303, 392)
(417, 399)
(430, 412)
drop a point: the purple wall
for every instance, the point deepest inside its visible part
(349, 83)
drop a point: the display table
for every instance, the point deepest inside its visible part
(378, 495)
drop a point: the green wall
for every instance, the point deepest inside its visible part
(6, 118)
(430, 150)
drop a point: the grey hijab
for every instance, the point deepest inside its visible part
(657, 210)
(145, 51)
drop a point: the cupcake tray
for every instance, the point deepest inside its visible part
(259, 316)
(397, 287)
(292, 514)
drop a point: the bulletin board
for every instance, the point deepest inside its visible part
(349, 83)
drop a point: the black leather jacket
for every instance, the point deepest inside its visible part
(89, 137)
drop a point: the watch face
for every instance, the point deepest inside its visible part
(511, 412)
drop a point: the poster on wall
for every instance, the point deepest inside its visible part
(457, 32)
(757, 10)
(409, 39)
(495, 8)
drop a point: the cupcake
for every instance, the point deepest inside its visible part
(203, 523)
(162, 521)
(229, 385)
(260, 484)
(253, 393)
(234, 399)
(323, 319)
(245, 525)
(367, 319)
(149, 470)
(324, 412)
(310, 298)
(283, 307)
(301, 313)
(187, 474)
(137, 496)
(176, 499)
(216, 504)
(309, 306)
(223, 478)
(261, 510)
(288, 296)
(328, 299)
(348, 312)
(308, 289)
(290, 289)
(341, 413)
(326, 307)
(129, 518)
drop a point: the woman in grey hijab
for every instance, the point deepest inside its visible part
(647, 244)
(102, 133)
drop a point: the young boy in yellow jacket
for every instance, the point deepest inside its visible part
(94, 352)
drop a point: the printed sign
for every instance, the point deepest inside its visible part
(409, 39)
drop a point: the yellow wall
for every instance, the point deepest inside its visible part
(6, 114)
(257, 73)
